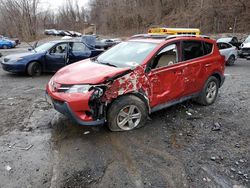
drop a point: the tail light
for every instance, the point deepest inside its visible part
(149, 31)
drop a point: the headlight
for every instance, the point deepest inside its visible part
(16, 59)
(78, 89)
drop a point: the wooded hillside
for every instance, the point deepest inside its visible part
(25, 19)
(130, 16)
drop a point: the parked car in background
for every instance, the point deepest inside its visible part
(126, 83)
(6, 43)
(17, 41)
(229, 51)
(245, 49)
(48, 57)
(231, 40)
(106, 43)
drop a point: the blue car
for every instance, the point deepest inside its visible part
(5, 43)
(48, 57)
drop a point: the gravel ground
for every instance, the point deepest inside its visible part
(186, 145)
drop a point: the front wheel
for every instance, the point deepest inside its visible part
(209, 93)
(34, 69)
(127, 113)
(5, 47)
(231, 60)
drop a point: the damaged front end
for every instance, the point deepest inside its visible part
(133, 82)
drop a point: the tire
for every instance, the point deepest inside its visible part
(211, 86)
(34, 69)
(230, 60)
(5, 47)
(121, 112)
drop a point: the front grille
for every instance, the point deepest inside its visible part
(63, 88)
(245, 50)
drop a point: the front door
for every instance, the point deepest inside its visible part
(56, 58)
(166, 76)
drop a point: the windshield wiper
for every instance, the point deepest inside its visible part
(109, 64)
(104, 63)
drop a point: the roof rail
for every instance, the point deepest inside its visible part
(187, 35)
(155, 36)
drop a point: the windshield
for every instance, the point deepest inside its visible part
(224, 40)
(127, 54)
(247, 39)
(44, 47)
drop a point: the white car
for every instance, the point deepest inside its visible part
(245, 49)
(229, 51)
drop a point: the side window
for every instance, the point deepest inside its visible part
(79, 47)
(192, 50)
(208, 48)
(167, 56)
(222, 45)
(59, 49)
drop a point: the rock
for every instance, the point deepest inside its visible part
(245, 176)
(216, 126)
(241, 160)
(236, 162)
(237, 145)
(233, 169)
(188, 113)
(213, 158)
(240, 173)
(86, 132)
(8, 168)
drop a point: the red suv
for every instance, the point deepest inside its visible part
(137, 77)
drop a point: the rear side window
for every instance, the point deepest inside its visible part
(192, 50)
(208, 48)
(222, 45)
(78, 47)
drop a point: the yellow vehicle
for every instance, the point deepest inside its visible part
(173, 31)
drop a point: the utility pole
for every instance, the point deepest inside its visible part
(235, 22)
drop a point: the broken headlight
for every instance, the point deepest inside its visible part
(78, 89)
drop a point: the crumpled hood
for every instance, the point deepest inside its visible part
(86, 72)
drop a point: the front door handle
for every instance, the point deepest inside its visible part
(208, 65)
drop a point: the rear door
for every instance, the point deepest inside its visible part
(78, 51)
(165, 78)
(56, 58)
(193, 58)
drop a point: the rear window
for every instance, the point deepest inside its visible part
(192, 50)
(208, 48)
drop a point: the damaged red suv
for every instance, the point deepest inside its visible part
(138, 77)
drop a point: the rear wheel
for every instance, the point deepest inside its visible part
(209, 92)
(127, 113)
(231, 60)
(34, 69)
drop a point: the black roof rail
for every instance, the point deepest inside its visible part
(187, 35)
(155, 36)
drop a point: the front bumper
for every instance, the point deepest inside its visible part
(14, 68)
(64, 108)
(244, 54)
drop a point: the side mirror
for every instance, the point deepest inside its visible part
(149, 65)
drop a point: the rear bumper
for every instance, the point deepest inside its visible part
(64, 108)
(222, 80)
